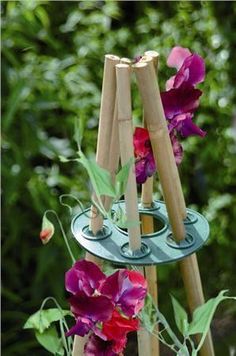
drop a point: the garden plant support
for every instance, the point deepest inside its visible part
(115, 137)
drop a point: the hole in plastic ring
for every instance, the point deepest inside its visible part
(137, 254)
(186, 243)
(100, 235)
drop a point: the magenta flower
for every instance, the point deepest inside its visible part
(96, 303)
(83, 281)
(144, 161)
(183, 123)
(99, 347)
(190, 67)
(85, 277)
(127, 289)
(177, 148)
(181, 98)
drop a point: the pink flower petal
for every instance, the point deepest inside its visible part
(170, 83)
(177, 56)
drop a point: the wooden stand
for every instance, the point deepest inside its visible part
(115, 139)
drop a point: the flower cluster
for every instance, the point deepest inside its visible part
(180, 100)
(105, 307)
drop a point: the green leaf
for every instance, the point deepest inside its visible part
(47, 230)
(181, 317)
(100, 178)
(50, 340)
(203, 315)
(79, 130)
(42, 319)
(122, 178)
(14, 101)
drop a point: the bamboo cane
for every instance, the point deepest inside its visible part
(148, 226)
(192, 281)
(158, 136)
(105, 126)
(114, 147)
(104, 136)
(161, 144)
(127, 152)
(153, 56)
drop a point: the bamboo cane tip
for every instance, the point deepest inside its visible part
(112, 57)
(122, 66)
(140, 65)
(146, 59)
(126, 60)
(153, 54)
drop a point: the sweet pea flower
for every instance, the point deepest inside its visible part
(127, 289)
(177, 148)
(117, 328)
(99, 347)
(190, 67)
(181, 98)
(85, 277)
(183, 123)
(83, 281)
(105, 306)
(144, 161)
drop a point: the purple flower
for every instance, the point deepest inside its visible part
(96, 307)
(183, 123)
(144, 168)
(177, 148)
(144, 165)
(127, 289)
(96, 302)
(190, 67)
(179, 101)
(84, 276)
(97, 346)
(83, 281)
(81, 327)
(181, 98)
(88, 310)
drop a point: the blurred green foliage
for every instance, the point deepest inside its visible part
(52, 64)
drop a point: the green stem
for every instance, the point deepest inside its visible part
(161, 338)
(63, 338)
(192, 345)
(162, 320)
(63, 234)
(62, 321)
(167, 327)
(67, 205)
